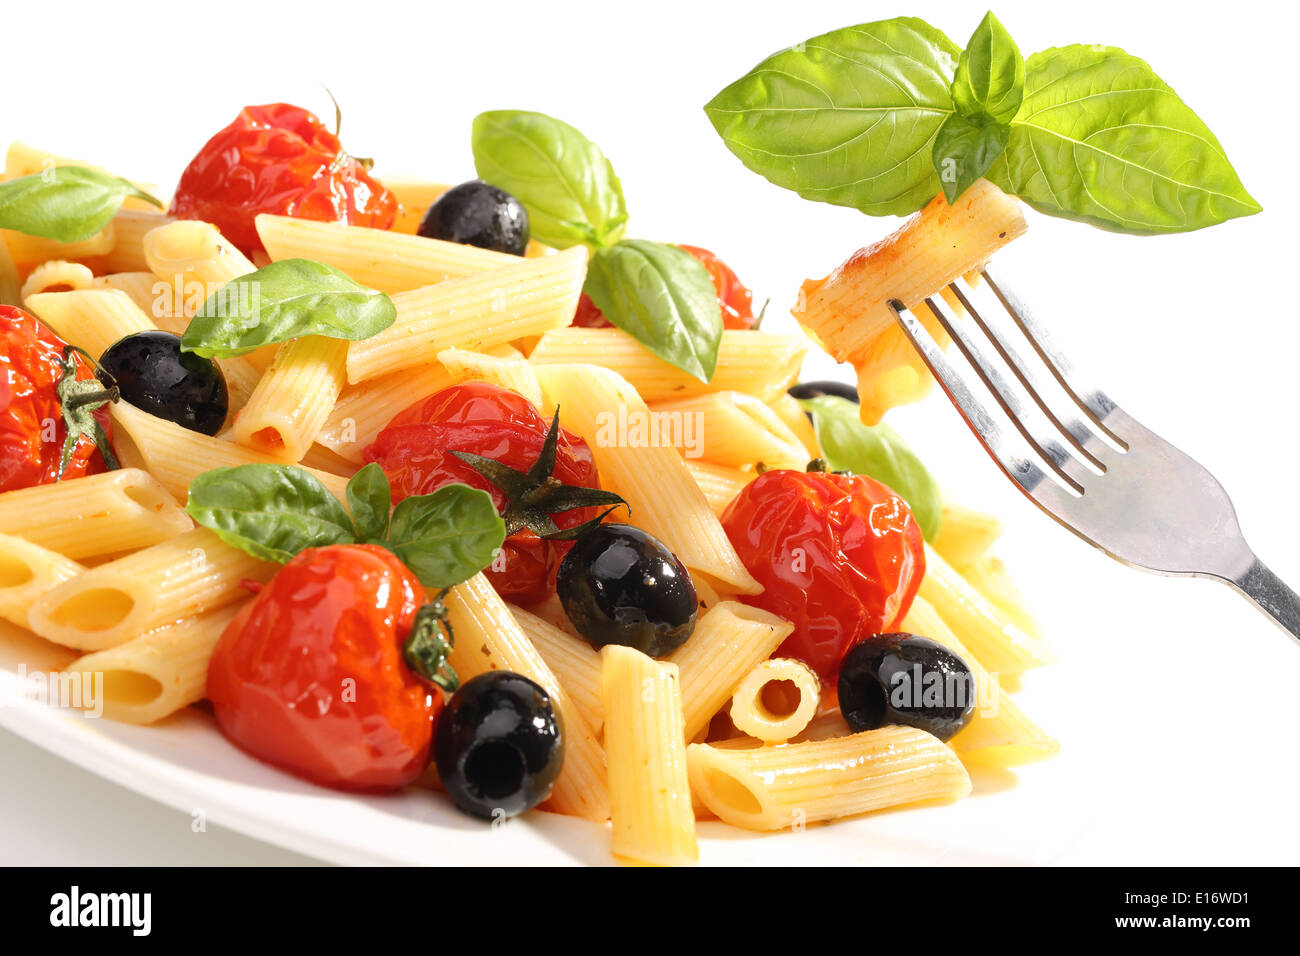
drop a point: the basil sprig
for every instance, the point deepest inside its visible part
(563, 179)
(657, 293)
(663, 297)
(282, 301)
(882, 115)
(274, 511)
(64, 203)
(878, 452)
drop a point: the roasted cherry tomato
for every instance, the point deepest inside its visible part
(736, 301)
(841, 556)
(33, 424)
(414, 450)
(278, 159)
(311, 674)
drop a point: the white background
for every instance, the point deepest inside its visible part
(1175, 701)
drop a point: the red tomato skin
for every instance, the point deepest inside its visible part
(736, 301)
(495, 422)
(278, 159)
(32, 429)
(840, 556)
(330, 620)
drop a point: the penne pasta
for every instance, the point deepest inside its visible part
(728, 428)
(195, 261)
(27, 571)
(161, 671)
(791, 785)
(515, 374)
(489, 638)
(378, 258)
(763, 364)
(575, 663)
(720, 483)
(362, 410)
(57, 276)
(102, 514)
(474, 312)
(729, 641)
(129, 229)
(787, 408)
(649, 793)
(776, 700)
(414, 197)
(108, 605)
(29, 251)
(92, 319)
(660, 492)
(965, 534)
(989, 576)
(293, 398)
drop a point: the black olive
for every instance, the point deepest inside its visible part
(477, 214)
(620, 585)
(155, 376)
(905, 679)
(499, 745)
(818, 389)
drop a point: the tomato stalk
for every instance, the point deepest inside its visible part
(430, 643)
(79, 401)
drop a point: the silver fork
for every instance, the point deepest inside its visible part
(1082, 458)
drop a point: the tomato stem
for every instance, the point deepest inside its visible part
(429, 645)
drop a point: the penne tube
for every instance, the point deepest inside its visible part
(57, 276)
(363, 410)
(728, 428)
(576, 664)
(720, 483)
(787, 408)
(129, 229)
(729, 641)
(965, 534)
(649, 792)
(992, 637)
(989, 576)
(91, 319)
(660, 492)
(29, 251)
(378, 258)
(999, 733)
(763, 364)
(293, 398)
(474, 312)
(108, 605)
(776, 700)
(515, 374)
(176, 455)
(487, 637)
(195, 261)
(146, 291)
(414, 197)
(27, 571)
(161, 671)
(791, 785)
(94, 515)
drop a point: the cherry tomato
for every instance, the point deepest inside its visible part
(488, 420)
(310, 674)
(736, 301)
(841, 556)
(278, 159)
(32, 425)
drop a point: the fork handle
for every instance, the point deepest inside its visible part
(1267, 592)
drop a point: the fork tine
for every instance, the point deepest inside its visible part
(990, 314)
(1096, 403)
(1042, 435)
(1020, 468)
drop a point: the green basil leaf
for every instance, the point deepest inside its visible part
(282, 301)
(663, 297)
(270, 511)
(1101, 139)
(990, 78)
(64, 203)
(369, 499)
(878, 452)
(448, 536)
(562, 178)
(964, 151)
(847, 117)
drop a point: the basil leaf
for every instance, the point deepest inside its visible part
(282, 301)
(964, 150)
(370, 499)
(847, 117)
(990, 78)
(562, 178)
(64, 203)
(1101, 139)
(270, 511)
(878, 452)
(447, 536)
(663, 297)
